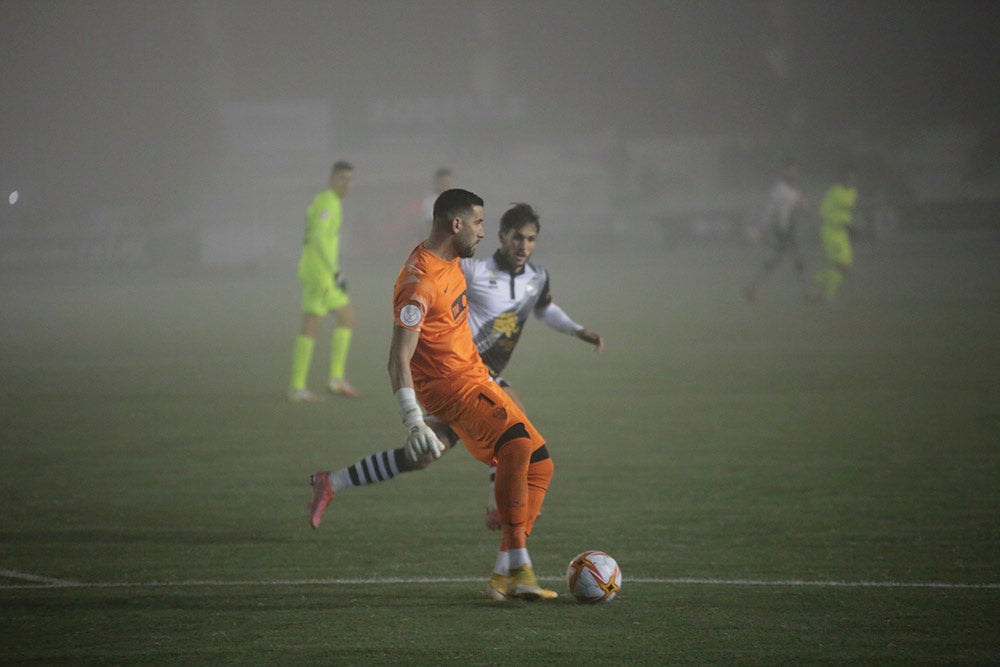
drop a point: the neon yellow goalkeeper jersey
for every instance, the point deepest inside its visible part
(321, 244)
(837, 205)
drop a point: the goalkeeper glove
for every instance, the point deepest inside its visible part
(420, 439)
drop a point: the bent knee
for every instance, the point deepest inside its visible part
(513, 433)
(540, 454)
(346, 316)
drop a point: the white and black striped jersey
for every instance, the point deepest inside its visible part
(500, 303)
(783, 202)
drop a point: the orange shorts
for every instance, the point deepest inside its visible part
(479, 412)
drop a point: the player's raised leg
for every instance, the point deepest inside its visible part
(375, 468)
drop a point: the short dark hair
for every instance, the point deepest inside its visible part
(452, 203)
(442, 172)
(517, 216)
(341, 165)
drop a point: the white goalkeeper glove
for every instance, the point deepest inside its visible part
(420, 439)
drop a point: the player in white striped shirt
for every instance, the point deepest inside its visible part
(785, 205)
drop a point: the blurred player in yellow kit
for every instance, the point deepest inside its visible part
(837, 213)
(323, 289)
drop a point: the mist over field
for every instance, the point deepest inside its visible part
(184, 141)
(193, 134)
(783, 480)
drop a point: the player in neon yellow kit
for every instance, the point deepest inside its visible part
(837, 212)
(323, 289)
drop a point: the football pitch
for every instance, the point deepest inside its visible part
(781, 482)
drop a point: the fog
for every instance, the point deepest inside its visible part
(157, 158)
(195, 132)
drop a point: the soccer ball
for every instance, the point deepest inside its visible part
(594, 576)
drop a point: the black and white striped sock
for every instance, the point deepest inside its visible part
(372, 469)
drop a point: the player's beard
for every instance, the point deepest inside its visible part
(466, 248)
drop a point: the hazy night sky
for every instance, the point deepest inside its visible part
(103, 100)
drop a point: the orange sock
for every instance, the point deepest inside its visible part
(512, 492)
(539, 475)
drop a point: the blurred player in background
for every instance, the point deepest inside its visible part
(433, 359)
(444, 179)
(324, 289)
(785, 203)
(503, 291)
(837, 213)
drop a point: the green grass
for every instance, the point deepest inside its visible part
(740, 461)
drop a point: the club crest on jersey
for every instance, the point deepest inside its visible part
(458, 306)
(409, 315)
(505, 325)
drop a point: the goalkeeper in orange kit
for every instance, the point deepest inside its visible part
(434, 360)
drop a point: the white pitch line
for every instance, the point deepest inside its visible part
(820, 583)
(46, 582)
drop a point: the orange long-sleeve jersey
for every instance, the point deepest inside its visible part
(430, 297)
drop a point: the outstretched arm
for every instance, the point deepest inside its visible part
(557, 319)
(591, 337)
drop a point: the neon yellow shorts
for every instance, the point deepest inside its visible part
(319, 297)
(837, 245)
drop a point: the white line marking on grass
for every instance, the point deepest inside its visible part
(819, 584)
(24, 576)
(47, 582)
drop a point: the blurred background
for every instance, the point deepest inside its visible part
(195, 133)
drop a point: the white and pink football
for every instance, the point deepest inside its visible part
(594, 576)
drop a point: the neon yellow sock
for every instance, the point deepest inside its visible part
(833, 280)
(820, 278)
(829, 280)
(339, 344)
(301, 358)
